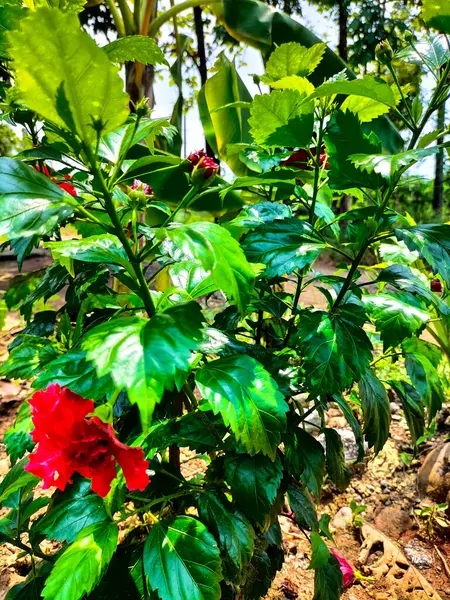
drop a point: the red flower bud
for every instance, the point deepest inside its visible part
(138, 185)
(436, 286)
(347, 571)
(68, 187)
(301, 159)
(195, 157)
(203, 167)
(69, 442)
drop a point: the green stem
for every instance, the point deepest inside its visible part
(175, 10)
(28, 549)
(127, 16)
(118, 21)
(408, 108)
(298, 291)
(317, 171)
(80, 209)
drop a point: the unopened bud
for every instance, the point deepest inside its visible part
(384, 53)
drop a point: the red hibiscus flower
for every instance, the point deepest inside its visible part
(302, 160)
(205, 166)
(436, 286)
(347, 571)
(68, 187)
(70, 442)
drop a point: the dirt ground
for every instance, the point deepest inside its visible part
(383, 484)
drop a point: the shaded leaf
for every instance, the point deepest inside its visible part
(376, 410)
(336, 466)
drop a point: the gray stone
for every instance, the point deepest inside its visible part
(417, 556)
(349, 443)
(343, 519)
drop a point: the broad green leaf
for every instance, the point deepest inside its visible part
(388, 165)
(412, 407)
(270, 178)
(255, 215)
(336, 467)
(396, 316)
(302, 506)
(29, 357)
(15, 479)
(191, 431)
(30, 203)
(320, 552)
(283, 246)
(68, 79)
(353, 422)
(397, 252)
(376, 410)
(77, 571)
(254, 482)
(243, 392)
(20, 287)
(366, 109)
(343, 138)
(305, 458)
(293, 82)
(65, 520)
(182, 560)
(432, 242)
(233, 532)
(424, 375)
(54, 279)
(96, 249)
(436, 14)
(219, 254)
(282, 118)
(18, 439)
(191, 277)
(72, 370)
(369, 87)
(10, 17)
(117, 350)
(294, 59)
(334, 347)
(135, 48)
(328, 581)
(29, 590)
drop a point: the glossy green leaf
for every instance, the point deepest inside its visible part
(15, 479)
(191, 277)
(432, 242)
(320, 552)
(68, 79)
(182, 560)
(334, 347)
(412, 407)
(353, 422)
(233, 532)
(79, 568)
(336, 466)
(135, 48)
(303, 508)
(388, 165)
(304, 458)
(436, 14)
(54, 279)
(254, 482)
(294, 59)
(376, 410)
(328, 581)
(366, 109)
(369, 87)
(243, 392)
(29, 357)
(283, 246)
(396, 316)
(282, 118)
(17, 439)
(219, 254)
(255, 215)
(30, 203)
(96, 249)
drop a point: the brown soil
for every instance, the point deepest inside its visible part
(383, 484)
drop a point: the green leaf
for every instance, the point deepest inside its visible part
(219, 254)
(293, 82)
(369, 87)
(29, 357)
(255, 215)
(72, 370)
(29, 590)
(366, 109)
(353, 422)
(117, 350)
(95, 249)
(397, 316)
(412, 407)
(432, 242)
(283, 246)
(191, 278)
(376, 410)
(303, 508)
(135, 48)
(243, 392)
(320, 552)
(18, 439)
(343, 138)
(328, 581)
(304, 458)
(15, 479)
(30, 203)
(424, 375)
(334, 347)
(294, 59)
(388, 165)
(436, 14)
(77, 571)
(55, 278)
(336, 467)
(10, 17)
(282, 118)
(182, 560)
(68, 79)
(232, 530)
(65, 520)
(254, 482)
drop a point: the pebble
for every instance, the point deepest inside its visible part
(343, 519)
(417, 556)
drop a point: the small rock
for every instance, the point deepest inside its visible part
(417, 556)
(395, 408)
(313, 421)
(433, 478)
(349, 443)
(371, 488)
(393, 522)
(396, 417)
(343, 519)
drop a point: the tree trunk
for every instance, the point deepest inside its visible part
(202, 64)
(438, 189)
(343, 26)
